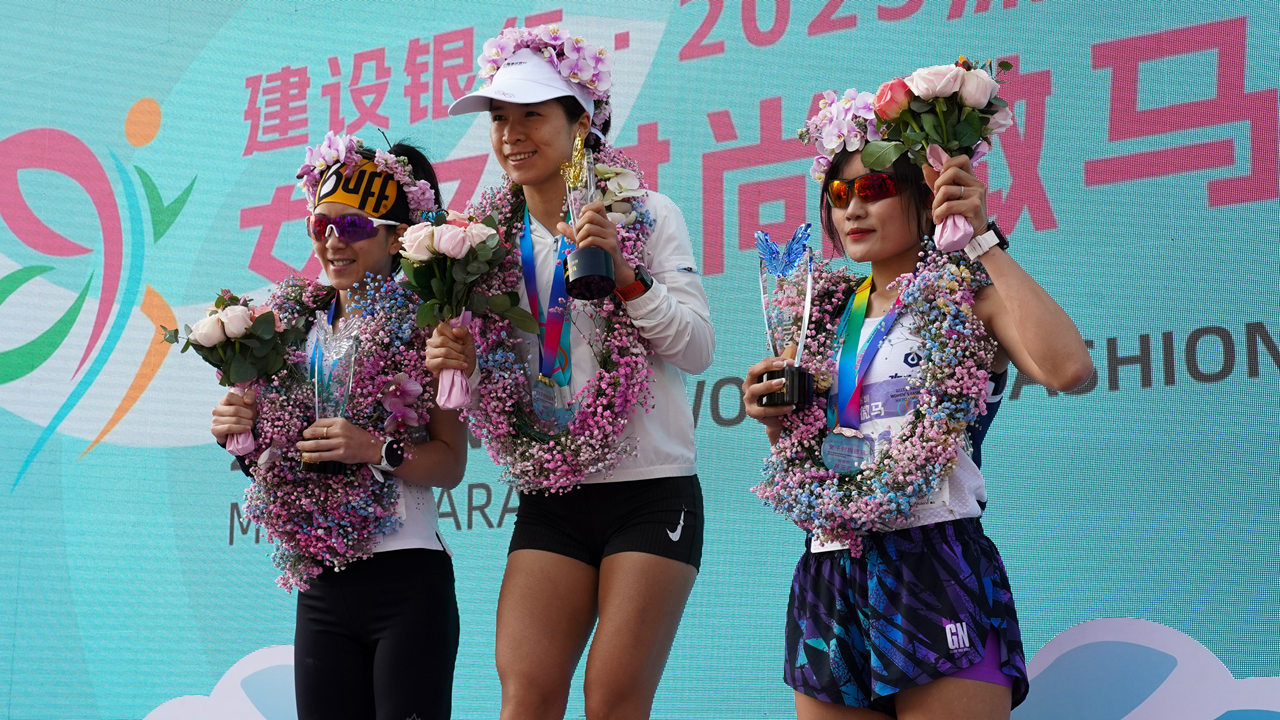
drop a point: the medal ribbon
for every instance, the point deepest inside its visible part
(853, 368)
(553, 330)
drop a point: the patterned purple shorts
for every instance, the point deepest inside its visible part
(918, 605)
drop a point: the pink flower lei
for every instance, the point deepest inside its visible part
(534, 457)
(349, 151)
(577, 60)
(319, 521)
(952, 389)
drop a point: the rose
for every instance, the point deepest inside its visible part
(624, 184)
(477, 233)
(208, 332)
(892, 98)
(1001, 120)
(236, 320)
(453, 217)
(935, 81)
(977, 88)
(451, 240)
(416, 242)
(259, 310)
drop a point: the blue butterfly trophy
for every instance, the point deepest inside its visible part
(333, 364)
(775, 264)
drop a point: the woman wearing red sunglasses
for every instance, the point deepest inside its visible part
(377, 619)
(909, 613)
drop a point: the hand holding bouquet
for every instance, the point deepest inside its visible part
(244, 342)
(442, 260)
(936, 112)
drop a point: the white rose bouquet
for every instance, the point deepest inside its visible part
(243, 342)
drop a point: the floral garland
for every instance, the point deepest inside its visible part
(322, 521)
(577, 60)
(952, 388)
(349, 151)
(534, 456)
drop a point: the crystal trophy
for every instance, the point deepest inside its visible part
(797, 388)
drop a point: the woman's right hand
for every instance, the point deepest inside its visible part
(234, 414)
(451, 348)
(753, 388)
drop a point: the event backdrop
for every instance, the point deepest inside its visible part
(147, 154)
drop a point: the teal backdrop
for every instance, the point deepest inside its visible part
(147, 154)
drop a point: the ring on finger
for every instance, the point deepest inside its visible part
(961, 192)
(326, 432)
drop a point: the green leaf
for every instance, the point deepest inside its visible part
(880, 154)
(478, 304)
(1004, 65)
(437, 287)
(921, 106)
(998, 102)
(264, 326)
(240, 371)
(932, 129)
(476, 268)
(966, 136)
(520, 318)
(428, 314)
(162, 214)
(500, 303)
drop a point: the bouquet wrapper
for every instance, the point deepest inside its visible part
(243, 443)
(955, 231)
(454, 389)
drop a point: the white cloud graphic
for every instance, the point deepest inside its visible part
(258, 687)
(1197, 685)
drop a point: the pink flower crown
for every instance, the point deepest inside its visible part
(577, 60)
(349, 151)
(845, 122)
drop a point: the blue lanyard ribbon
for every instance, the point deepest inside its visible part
(553, 325)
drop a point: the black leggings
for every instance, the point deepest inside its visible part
(378, 640)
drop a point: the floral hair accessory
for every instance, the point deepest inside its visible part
(349, 153)
(845, 122)
(587, 66)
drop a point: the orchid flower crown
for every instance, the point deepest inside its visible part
(845, 122)
(349, 150)
(577, 60)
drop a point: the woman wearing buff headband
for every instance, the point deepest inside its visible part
(346, 451)
(588, 417)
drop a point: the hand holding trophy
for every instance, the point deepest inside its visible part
(589, 270)
(332, 370)
(780, 323)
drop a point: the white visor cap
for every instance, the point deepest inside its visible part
(525, 78)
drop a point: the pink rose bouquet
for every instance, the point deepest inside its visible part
(443, 259)
(936, 112)
(243, 342)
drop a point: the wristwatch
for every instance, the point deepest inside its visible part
(993, 237)
(392, 456)
(636, 287)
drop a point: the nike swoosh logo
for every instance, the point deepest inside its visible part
(675, 534)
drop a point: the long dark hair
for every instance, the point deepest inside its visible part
(913, 193)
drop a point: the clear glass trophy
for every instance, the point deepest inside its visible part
(332, 370)
(797, 388)
(588, 271)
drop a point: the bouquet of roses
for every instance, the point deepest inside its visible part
(936, 112)
(442, 260)
(244, 342)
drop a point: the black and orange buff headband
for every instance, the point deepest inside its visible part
(367, 189)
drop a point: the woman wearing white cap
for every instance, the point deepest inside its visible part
(588, 417)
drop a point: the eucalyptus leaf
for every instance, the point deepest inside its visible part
(880, 154)
(921, 106)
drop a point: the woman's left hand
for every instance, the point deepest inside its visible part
(594, 229)
(958, 191)
(337, 439)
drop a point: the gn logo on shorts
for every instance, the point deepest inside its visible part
(957, 636)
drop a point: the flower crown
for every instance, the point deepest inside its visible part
(577, 60)
(349, 151)
(845, 122)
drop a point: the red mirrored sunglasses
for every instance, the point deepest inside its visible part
(870, 187)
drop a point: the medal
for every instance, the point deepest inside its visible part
(549, 404)
(845, 449)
